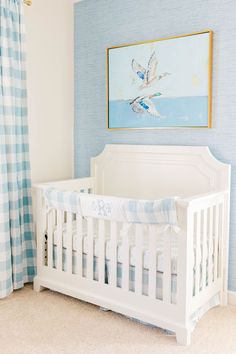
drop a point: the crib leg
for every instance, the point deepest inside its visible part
(37, 286)
(183, 336)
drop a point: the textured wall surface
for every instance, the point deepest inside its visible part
(100, 24)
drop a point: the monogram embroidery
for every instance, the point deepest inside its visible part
(101, 207)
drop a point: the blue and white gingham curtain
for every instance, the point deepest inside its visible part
(17, 249)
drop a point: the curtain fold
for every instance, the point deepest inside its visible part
(17, 246)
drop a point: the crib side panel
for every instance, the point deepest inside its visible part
(203, 252)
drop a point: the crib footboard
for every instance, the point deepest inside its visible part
(132, 269)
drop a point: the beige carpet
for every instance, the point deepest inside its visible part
(49, 322)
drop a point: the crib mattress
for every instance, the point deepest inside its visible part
(145, 275)
(159, 250)
(132, 261)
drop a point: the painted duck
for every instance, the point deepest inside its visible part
(142, 104)
(149, 75)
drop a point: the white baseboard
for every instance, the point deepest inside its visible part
(232, 297)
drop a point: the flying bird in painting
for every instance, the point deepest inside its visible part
(142, 104)
(148, 76)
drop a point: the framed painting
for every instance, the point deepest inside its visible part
(165, 83)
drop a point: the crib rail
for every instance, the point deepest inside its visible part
(79, 185)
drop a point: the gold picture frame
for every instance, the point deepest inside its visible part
(124, 112)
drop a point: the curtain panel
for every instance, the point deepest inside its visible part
(17, 246)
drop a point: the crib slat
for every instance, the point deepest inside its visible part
(216, 241)
(101, 258)
(167, 269)
(125, 260)
(204, 248)
(60, 222)
(50, 238)
(41, 228)
(69, 241)
(90, 249)
(54, 212)
(198, 252)
(113, 259)
(185, 260)
(138, 258)
(152, 263)
(221, 240)
(79, 253)
(210, 248)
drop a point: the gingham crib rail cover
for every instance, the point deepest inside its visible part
(161, 211)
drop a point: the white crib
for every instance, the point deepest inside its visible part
(183, 280)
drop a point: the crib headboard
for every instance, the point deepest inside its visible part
(151, 171)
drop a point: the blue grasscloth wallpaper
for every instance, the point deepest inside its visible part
(104, 23)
